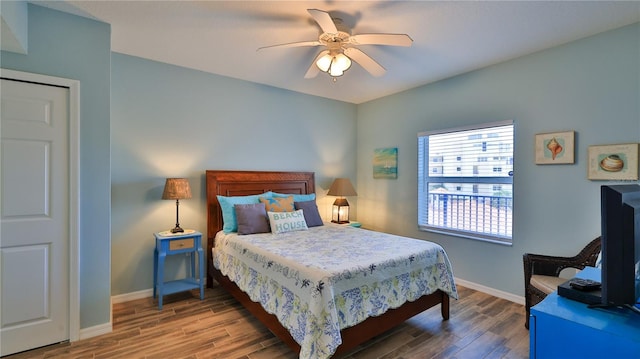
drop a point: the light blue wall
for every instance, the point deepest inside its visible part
(591, 86)
(168, 121)
(68, 46)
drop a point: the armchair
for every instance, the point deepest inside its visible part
(541, 272)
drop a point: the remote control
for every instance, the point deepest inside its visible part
(584, 284)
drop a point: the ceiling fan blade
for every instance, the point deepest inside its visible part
(291, 44)
(381, 39)
(365, 61)
(313, 69)
(324, 20)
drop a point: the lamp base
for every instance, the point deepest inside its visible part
(177, 230)
(340, 222)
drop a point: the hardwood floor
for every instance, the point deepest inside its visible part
(481, 326)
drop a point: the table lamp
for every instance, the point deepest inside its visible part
(341, 187)
(176, 188)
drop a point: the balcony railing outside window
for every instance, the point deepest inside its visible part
(491, 215)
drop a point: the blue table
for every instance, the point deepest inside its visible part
(169, 244)
(564, 328)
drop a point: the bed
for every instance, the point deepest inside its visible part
(337, 333)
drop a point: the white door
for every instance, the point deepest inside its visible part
(35, 225)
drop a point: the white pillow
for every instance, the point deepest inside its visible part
(282, 222)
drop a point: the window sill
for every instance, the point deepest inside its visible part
(468, 235)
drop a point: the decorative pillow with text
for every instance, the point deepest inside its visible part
(282, 222)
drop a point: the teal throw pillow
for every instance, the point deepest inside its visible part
(296, 197)
(230, 222)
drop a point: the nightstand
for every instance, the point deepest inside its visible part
(167, 244)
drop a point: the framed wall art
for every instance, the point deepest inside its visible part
(555, 148)
(613, 162)
(385, 163)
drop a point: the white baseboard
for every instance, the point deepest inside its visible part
(492, 291)
(94, 331)
(131, 296)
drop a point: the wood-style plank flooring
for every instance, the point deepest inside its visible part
(481, 326)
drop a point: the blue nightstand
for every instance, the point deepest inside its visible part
(167, 244)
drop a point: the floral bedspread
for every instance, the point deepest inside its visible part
(331, 277)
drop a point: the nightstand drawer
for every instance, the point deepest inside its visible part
(181, 244)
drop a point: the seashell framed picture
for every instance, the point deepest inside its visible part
(555, 148)
(613, 162)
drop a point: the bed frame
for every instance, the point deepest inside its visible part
(242, 183)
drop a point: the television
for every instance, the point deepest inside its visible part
(620, 213)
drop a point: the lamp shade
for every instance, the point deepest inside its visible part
(176, 188)
(324, 62)
(342, 62)
(342, 187)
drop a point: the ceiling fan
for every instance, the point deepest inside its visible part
(341, 47)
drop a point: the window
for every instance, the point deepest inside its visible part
(473, 203)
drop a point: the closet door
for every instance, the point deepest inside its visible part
(35, 225)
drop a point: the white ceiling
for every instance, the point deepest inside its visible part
(450, 37)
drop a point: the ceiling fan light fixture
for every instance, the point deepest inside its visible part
(336, 72)
(342, 61)
(335, 64)
(324, 63)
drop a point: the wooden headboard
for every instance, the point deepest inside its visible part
(243, 183)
